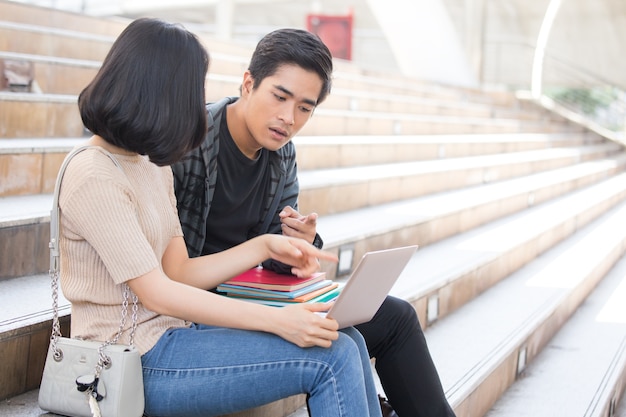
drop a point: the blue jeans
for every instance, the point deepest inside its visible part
(209, 371)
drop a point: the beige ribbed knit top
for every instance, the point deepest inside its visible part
(114, 226)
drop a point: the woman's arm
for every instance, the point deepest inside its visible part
(185, 296)
(209, 271)
(295, 324)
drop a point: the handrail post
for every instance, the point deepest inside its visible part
(542, 40)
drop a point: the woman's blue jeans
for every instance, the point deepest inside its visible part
(210, 371)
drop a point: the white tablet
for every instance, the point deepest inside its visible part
(368, 285)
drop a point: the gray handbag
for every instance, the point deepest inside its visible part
(84, 378)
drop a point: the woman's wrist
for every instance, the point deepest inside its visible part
(266, 242)
(271, 320)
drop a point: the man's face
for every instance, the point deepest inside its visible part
(280, 106)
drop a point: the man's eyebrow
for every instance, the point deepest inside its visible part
(310, 102)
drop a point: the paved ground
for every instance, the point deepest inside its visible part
(24, 405)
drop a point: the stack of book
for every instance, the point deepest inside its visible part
(263, 286)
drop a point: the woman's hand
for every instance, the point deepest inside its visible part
(300, 325)
(296, 252)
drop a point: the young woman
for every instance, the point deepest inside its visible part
(120, 226)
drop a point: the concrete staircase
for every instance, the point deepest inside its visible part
(519, 281)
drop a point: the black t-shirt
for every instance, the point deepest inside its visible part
(239, 196)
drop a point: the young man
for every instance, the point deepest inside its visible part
(242, 182)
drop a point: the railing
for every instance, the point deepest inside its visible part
(598, 100)
(580, 95)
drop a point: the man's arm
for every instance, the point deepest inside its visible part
(288, 221)
(292, 223)
(295, 224)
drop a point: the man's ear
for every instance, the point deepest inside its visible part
(247, 85)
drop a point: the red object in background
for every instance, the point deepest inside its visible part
(335, 32)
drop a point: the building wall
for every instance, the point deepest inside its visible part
(588, 37)
(497, 37)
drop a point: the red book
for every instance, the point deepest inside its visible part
(270, 280)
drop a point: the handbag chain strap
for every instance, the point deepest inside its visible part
(103, 361)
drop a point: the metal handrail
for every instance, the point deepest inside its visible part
(597, 99)
(579, 94)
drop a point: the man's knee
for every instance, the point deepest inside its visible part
(400, 311)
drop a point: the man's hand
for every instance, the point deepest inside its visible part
(296, 225)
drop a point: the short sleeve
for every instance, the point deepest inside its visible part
(99, 205)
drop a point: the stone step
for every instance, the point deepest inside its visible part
(581, 371)
(344, 189)
(466, 262)
(54, 23)
(352, 77)
(27, 115)
(387, 100)
(17, 12)
(30, 165)
(353, 92)
(76, 43)
(620, 410)
(32, 17)
(49, 37)
(24, 233)
(520, 236)
(24, 220)
(445, 275)
(332, 151)
(68, 76)
(469, 250)
(54, 75)
(501, 331)
(25, 405)
(428, 219)
(25, 329)
(61, 42)
(347, 122)
(58, 75)
(571, 358)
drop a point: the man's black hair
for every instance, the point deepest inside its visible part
(292, 46)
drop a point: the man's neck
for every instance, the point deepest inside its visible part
(239, 131)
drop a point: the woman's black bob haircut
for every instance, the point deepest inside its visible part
(148, 96)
